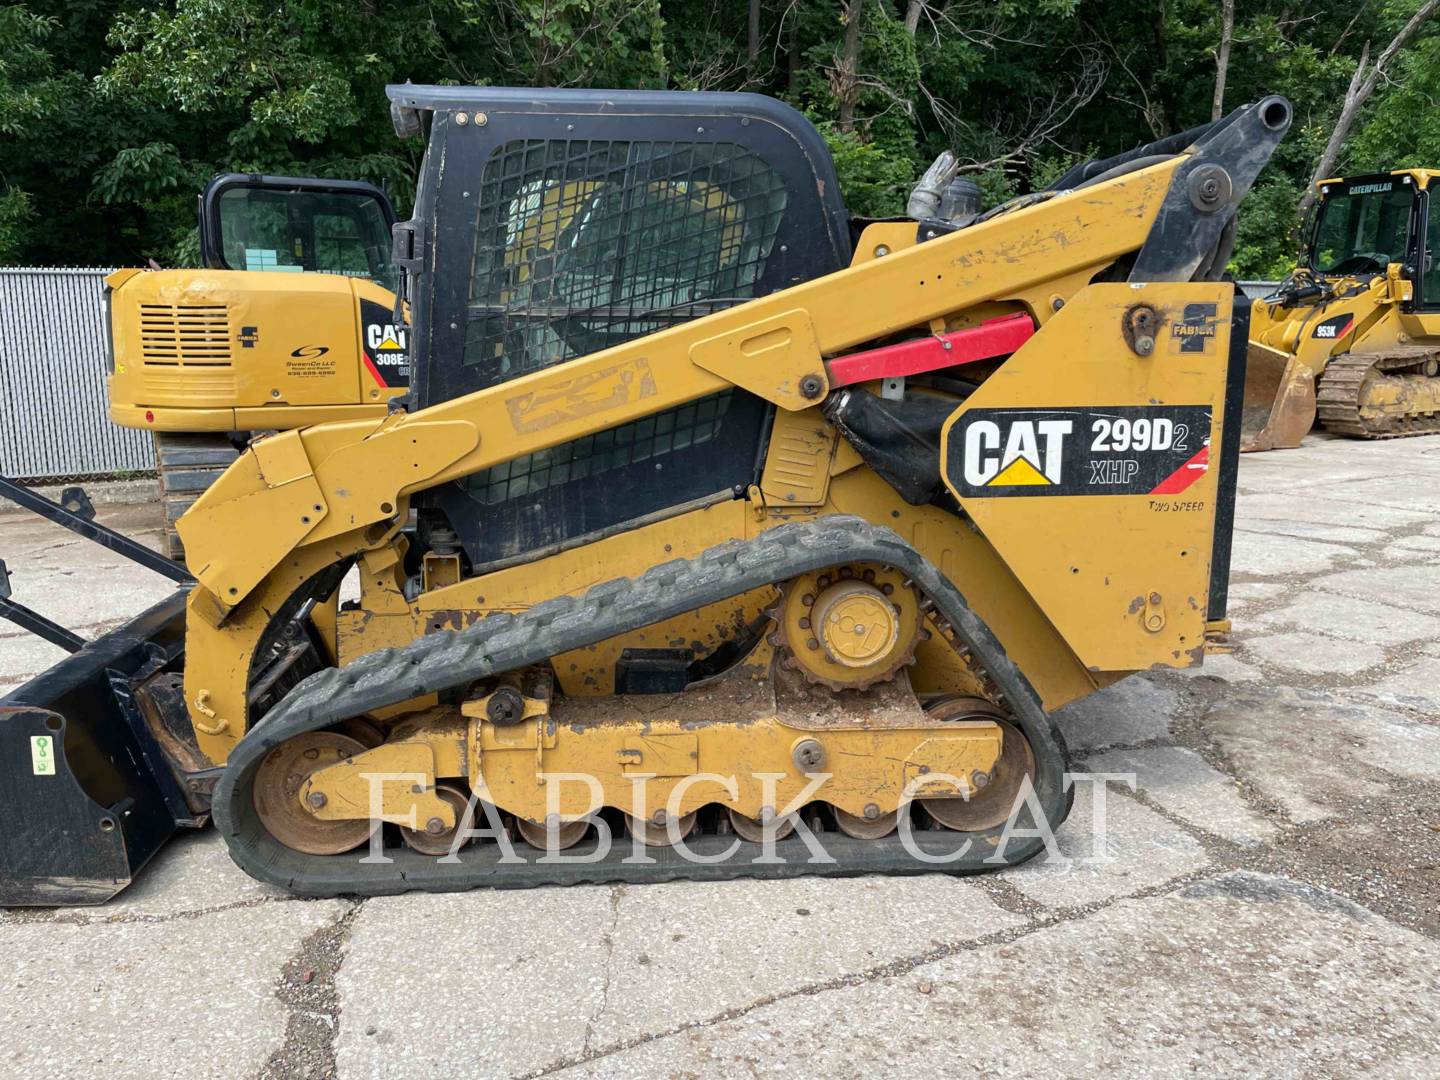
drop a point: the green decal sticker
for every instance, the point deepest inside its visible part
(42, 755)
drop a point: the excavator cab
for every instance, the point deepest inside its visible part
(291, 321)
(1362, 295)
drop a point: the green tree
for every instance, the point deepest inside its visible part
(110, 136)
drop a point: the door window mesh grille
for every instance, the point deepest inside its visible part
(584, 244)
(674, 429)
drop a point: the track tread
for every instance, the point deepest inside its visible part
(188, 464)
(503, 642)
(1338, 398)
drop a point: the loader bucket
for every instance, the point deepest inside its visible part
(85, 799)
(1279, 400)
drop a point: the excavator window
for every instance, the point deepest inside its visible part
(298, 225)
(1363, 227)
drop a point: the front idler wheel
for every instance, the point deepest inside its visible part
(992, 797)
(279, 782)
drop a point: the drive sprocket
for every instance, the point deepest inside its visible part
(848, 627)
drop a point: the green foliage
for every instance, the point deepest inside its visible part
(142, 174)
(15, 214)
(874, 181)
(30, 90)
(1267, 240)
(115, 112)
(1402, 129)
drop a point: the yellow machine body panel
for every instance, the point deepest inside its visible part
(352, 497)
(226, 350)
(1089, 469)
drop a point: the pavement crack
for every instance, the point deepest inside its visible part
(616, 892)
(306, 987)
(84, 918)
(1046, 919)
(890, 969)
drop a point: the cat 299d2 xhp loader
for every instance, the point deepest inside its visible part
(711, 517)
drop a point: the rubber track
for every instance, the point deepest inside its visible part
(503, 642)
(1338, 402)
(188, 465)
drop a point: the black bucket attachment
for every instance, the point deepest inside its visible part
(98, 763)
(86, 794)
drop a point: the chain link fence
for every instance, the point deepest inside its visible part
(1258, 290)
(53, 422)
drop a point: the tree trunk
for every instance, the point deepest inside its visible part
(542, 54)
(913, 11)
(752, 46)
(847, 82)
(792, 54)
(1158, 62)
(1222, 57)
(1362, 85)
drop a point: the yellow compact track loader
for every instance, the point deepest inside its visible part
(308, 260)
(1353, 335)
(719, 535)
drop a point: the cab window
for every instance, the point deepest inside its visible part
(306, 232)
(1363, 229)
(1430, 257)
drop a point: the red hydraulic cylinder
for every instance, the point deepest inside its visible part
(996, 337)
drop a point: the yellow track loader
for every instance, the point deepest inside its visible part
(1353, 335)
(718, 536)
(309, 260)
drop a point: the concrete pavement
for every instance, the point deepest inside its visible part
(1269, 903)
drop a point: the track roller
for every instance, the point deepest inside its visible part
(559, 838)
(752, 830)
(866, 828)
(435, 839)
(660, 834)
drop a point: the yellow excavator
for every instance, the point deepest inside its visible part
(719, 535)
(307, 259)
(1352, 336)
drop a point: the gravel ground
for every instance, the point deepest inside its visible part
(1269, 904)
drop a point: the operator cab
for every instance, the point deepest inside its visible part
(1365, 224)
(552, 224)
(298, 225)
